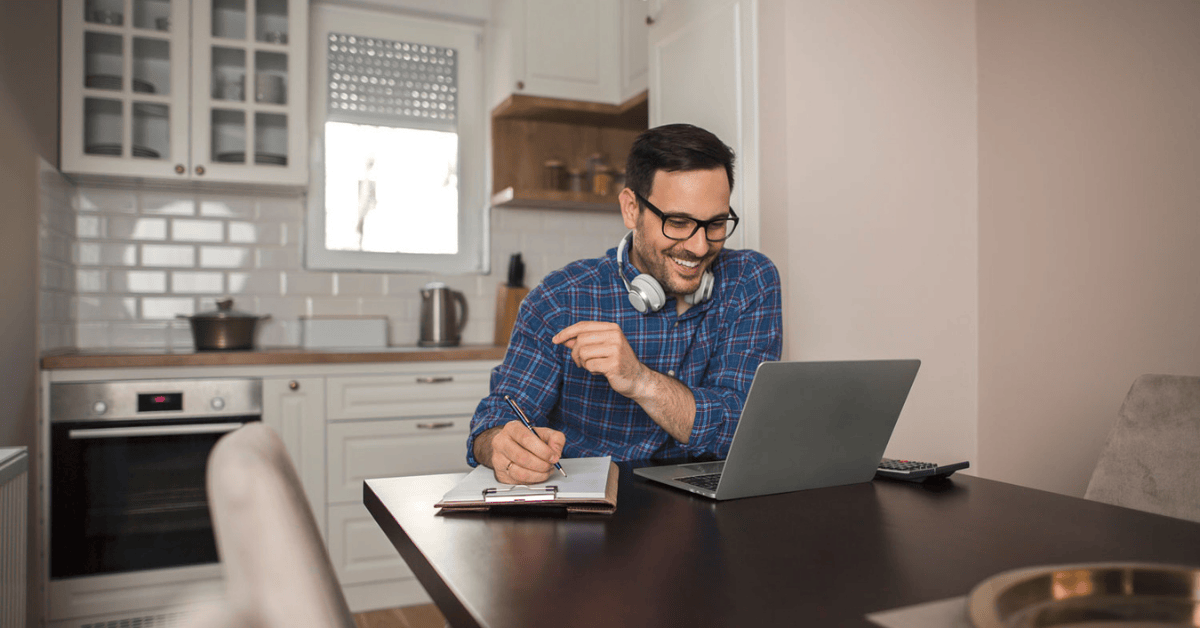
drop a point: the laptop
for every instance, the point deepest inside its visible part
(804, 425)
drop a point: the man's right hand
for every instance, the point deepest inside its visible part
(516, 456)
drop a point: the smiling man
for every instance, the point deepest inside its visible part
(647, 352)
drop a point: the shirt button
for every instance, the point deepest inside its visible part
(671, 373)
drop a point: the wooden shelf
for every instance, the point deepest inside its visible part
(554, 199)
(631, 114)
(527, 131)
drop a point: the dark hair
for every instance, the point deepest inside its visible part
(674, 148)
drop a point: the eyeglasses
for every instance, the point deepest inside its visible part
(680, 227)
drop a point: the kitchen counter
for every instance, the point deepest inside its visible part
(98, 359)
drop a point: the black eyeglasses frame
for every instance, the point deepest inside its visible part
(699, 224)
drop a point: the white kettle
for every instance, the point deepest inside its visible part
(441, 321)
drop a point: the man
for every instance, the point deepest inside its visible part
(648, 351)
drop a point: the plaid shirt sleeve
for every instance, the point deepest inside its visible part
(530, 374)
(754, 334)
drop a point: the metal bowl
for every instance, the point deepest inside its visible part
(1089, 594)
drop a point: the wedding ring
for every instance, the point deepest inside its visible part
(509, 465)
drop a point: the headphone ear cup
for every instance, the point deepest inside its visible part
(702, 293)
(645, 295)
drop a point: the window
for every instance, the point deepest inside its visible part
(398, 159)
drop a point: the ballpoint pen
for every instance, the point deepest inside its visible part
(526, 423)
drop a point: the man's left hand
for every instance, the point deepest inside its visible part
(602, 348)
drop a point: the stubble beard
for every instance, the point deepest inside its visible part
(660, 265)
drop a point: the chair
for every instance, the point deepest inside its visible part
(1151, 458)
(277, 571)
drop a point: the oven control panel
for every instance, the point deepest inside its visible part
(133, 399)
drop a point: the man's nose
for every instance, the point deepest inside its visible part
(698, 244)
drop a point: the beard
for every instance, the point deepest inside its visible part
(661, 266)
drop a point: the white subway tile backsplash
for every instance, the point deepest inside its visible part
(225, 257)
(90, 280)
(105, 308)
(334, 306)
(125, 228)
(167, 308)
(99, 254)
(280, 208)
(243, 232)
(168, 204)
(100, 199)
(138, 281)
(186, 282)
(168, 256)
(226, 207)
(91, 335)
(187, 230)
(138, 335)
(308, 284)
(264, 282)
(358, 284)
(89, 226)
(286, 258)
(280, 308)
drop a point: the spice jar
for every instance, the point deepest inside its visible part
(575, 180)
(602, 181)
(554, 175)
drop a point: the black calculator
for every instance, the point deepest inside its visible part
(916, 471)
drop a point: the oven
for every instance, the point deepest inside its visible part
(127, 471)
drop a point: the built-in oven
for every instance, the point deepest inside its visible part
(127, 471)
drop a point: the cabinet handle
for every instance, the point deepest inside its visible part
(435, 380)
(440, 425)
(520, 84)
(293, 385)
(649, 21)
(179, 169)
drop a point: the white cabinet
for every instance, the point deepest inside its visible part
(569, 50)
(199, 90)
(295, 408)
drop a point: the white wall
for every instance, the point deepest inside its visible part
(1089, 218)
(873, 222)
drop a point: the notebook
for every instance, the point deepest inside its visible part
(804, 425)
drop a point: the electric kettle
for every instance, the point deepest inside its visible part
(441, 322)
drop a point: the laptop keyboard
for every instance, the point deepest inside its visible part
(708, 481)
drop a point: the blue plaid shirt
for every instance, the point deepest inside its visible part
(713, 348)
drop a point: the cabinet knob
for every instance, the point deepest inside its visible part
(649, 21)
(520, 84)
(200, 170)
(179, 169)
(293, 385)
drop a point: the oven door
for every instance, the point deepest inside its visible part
(130, 495)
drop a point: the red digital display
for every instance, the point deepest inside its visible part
(160, 402)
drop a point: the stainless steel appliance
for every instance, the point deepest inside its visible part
(441, 322)
(127, 479)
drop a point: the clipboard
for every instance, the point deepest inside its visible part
(590, 487)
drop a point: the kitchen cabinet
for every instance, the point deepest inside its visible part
(295, 408)
(592, 51)
(189, 91)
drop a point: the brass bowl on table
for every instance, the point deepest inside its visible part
(1113, 595)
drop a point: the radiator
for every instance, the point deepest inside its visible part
(14, 535)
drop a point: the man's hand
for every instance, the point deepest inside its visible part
(517, 456)
(601, 348)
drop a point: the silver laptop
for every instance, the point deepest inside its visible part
(805, 425)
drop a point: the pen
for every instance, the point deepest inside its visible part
(525, 421)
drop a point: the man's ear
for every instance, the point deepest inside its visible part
(629, 208)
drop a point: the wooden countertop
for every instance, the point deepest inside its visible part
(97, 359)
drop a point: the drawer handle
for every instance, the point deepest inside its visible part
(435, 380)
(440, 425)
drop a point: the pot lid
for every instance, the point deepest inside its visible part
(224, 310)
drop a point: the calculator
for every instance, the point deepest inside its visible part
(916, 471)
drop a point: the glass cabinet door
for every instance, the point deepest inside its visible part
(248, 87)
(125, 86)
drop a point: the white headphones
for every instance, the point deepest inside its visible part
(646, 295)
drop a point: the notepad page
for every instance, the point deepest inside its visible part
(587, 478)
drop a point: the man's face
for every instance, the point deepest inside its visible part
(678, 265)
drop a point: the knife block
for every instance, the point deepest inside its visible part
(508, 300)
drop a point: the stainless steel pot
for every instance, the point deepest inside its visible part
(224, 329)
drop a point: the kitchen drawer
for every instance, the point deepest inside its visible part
(359, 450)
(420, 394)
(359, 549)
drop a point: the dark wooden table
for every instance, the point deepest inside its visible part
(823, 557)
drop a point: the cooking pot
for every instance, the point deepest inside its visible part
(224, 329)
